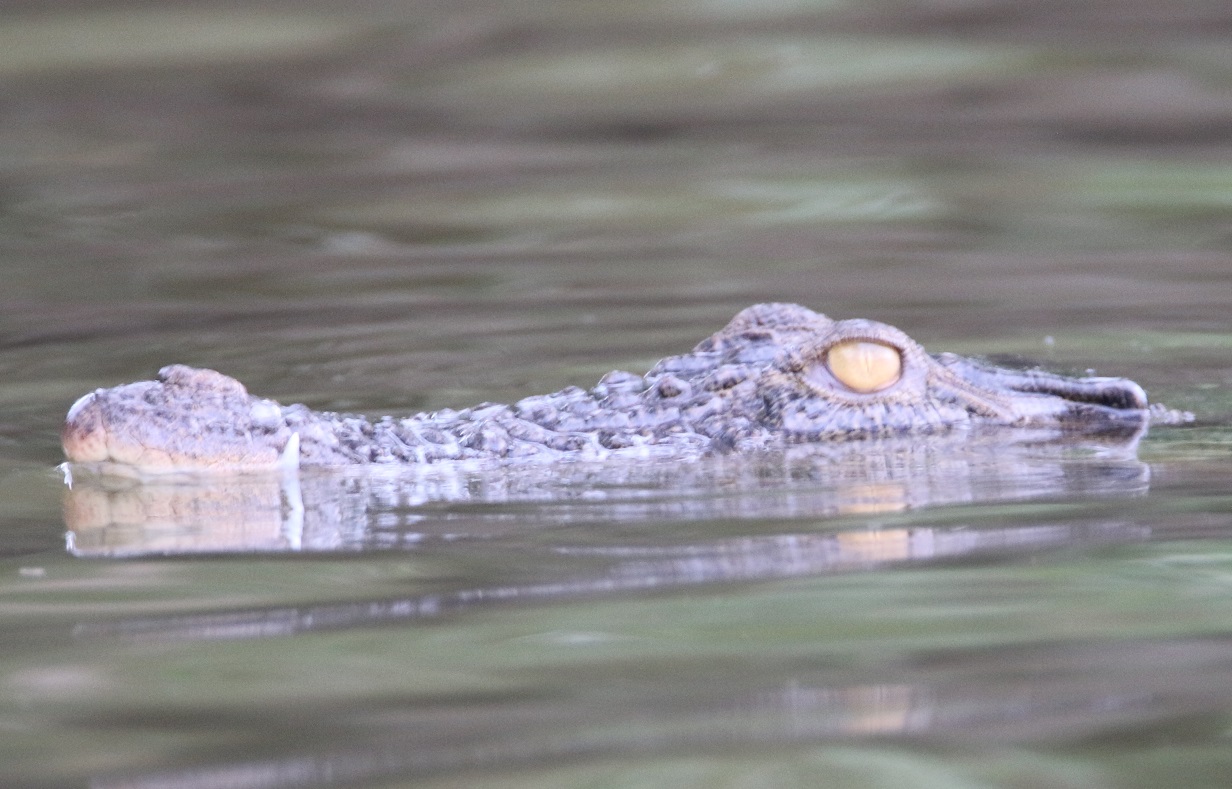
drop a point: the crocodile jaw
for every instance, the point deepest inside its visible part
(1037, 397)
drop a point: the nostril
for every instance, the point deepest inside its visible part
(265, 414)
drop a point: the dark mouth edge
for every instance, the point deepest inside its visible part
(1116, 394)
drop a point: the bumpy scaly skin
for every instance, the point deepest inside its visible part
(761, 381)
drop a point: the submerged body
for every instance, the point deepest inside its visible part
(777, 374)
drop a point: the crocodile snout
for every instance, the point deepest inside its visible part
(189, 419)
(83, 436)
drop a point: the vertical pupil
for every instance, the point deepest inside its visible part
(864, 366)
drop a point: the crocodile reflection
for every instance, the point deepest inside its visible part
(638, 569)
(367, 509)
(791, 702)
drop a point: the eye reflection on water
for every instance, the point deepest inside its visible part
(1043, 694)
(791, 500)
(795, 516)
(795, 713)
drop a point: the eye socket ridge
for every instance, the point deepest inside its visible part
(864, 366)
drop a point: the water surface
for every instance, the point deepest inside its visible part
(415, 205)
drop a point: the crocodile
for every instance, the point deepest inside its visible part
(776, 375)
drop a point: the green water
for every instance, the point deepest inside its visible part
(408, 206)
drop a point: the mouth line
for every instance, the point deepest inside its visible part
(1117, 394)
(1113, 396)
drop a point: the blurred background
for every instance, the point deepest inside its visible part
(433, 202)
(389, 206)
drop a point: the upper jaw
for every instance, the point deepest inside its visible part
(1036, 397)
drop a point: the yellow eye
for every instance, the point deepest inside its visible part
(864, 366)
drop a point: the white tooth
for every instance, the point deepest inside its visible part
(289, 459)
(76, 407)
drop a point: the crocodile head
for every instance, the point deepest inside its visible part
(853, 379)
(778, 373)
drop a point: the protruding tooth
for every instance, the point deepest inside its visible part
(76, 408)
(289, 459)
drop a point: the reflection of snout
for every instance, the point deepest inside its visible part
(116, 518)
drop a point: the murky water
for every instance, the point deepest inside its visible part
(413, 205)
